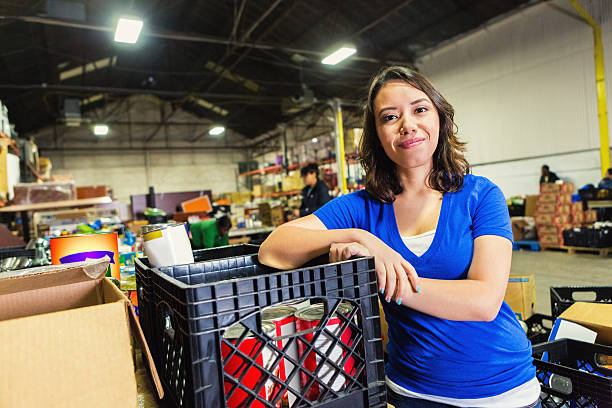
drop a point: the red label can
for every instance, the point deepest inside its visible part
(308, 319)
(283, 318)
(257, 352)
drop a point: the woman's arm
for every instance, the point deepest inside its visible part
(477, 298)
(298, 241)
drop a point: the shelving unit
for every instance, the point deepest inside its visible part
(11, 143)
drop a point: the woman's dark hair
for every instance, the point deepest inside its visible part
(449, 164)
(310, 168)
(224, 222)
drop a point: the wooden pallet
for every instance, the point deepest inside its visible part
(572, 250)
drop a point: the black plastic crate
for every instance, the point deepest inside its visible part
(574, 374)
(538, 328)
(192, 314)
(143, 279)
(16, 252)
(564, 296)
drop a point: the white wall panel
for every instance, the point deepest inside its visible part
(524, 87)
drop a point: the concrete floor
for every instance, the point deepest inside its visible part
(553, 268)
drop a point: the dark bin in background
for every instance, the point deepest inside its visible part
(538, 328)
(143, 279)
(563, 297)
(194, 304)
(572, 374)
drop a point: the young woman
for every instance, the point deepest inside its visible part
(442, 244)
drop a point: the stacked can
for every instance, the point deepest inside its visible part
(259, 354)
(283, 318)
(308, 319)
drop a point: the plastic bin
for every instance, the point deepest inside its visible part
(193, 312)
(538, 328)
(563, 297)
(16, 252)
(573, 374)
(143, 279)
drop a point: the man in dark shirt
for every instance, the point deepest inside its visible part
(315, 193)
(606, 182)
(547, 175)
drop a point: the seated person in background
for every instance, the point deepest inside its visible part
(547, 175)
(606, 182)
(315, 192)
(210, 233)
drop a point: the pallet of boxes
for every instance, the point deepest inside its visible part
(555, 212)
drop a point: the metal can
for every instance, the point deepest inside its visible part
(308, 319)
(283, 318)
(257, 353)
(168, 245)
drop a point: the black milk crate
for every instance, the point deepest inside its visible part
(574, 374)
(563, 297)
(197, 363)
(538, 328)
(16, 252)
(143, 273)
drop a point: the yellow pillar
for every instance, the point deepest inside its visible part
(600, 78)
(340, 156)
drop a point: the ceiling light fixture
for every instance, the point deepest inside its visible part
(315, 140)
(339, 55)
(100, 130)
(216, 130)
(128, 29)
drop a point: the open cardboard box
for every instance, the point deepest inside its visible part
(65, 340)
(594, 316)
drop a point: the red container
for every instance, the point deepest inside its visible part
(283, 318)
(308, 319)
(256, 351)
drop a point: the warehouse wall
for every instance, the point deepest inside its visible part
(524, 93)
(170, 161)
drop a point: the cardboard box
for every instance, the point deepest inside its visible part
(523, 228)
(546, 208)
(65, 340)
(578, 218)
(544, 219)
(530, 205)
(561, 220)
(551, 240)
(563, 209)
(590, 216)
(567, 188)
(546, 198)
(520, 295)
(576, 207)
(384, 327)
(564, 199)
(257, 190)
(594, 316)
(91, 192)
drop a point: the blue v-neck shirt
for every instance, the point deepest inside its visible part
(429, 355)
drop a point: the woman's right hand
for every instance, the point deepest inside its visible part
(397, 278)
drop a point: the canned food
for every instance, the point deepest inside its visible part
(168, 245)
(283, 318)
(258, 353)
(325, 344)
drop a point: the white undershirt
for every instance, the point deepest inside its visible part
(522, 396)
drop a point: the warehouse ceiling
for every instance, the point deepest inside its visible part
(249, 64)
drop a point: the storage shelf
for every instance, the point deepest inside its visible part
(351, 158)
(12, 144)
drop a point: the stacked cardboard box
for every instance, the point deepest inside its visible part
(272, 216)
(555, 212)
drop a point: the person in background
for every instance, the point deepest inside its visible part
(210, 233)
(315, 192)
(442, 245)
(606, 182)
(547, 175)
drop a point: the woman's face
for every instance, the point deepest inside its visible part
(407, 124)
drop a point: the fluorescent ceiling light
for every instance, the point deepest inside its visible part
(100, 130)
(128, 30)
(337, 56)
(315, 140)
(216, 130)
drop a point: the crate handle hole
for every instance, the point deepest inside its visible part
(604, 361)
(561, 383)
(166, 314)
(584, 296)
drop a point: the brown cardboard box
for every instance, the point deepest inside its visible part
(551, 240)
(544, 219)
(559, 220)
(576, 207)
(530, 205)
(578, 218)
(520, 295)
(91, 192)
(563, 210)
(564, 199)
(546, 198)
(567, 188)
(545, 208)
(590, 216)
(518, 228)
(277, 215)
(257, 190)
(65, 340)
(594, 316)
